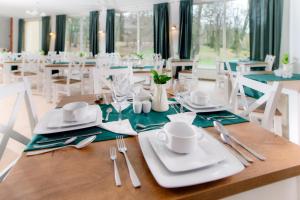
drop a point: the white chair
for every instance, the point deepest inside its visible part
(22, 90)
(30, 68)
(261, 110)
(74, 77)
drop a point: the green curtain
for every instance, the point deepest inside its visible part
(185, 28)
(60, 33)
(20, 35)
(265, 29)
(110, 31)
(94, 28)
(161, 30)
(45, 34)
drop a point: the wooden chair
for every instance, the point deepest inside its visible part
(22, 89)
(30, 68)
(262, 110)
(63, 86)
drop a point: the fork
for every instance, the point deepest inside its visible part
(122, 148)
(113, 157)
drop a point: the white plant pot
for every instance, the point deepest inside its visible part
(160, 98)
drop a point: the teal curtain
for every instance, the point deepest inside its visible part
(265, 29)
(45, 34)
(185, 28)
(161, 30)
(20, 35)
(94, 28)
(110, 31)
(60, 33)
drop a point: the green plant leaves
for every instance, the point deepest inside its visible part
(285, 59)
(159, 79)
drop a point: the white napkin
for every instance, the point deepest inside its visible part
(187, 117)
(124, 105)
(121, 127)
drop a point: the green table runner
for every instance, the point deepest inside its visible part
(234, 63)
(265, 78)
(150, 118)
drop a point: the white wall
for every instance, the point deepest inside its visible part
(4, 32)
(174, 21)
(294, 32)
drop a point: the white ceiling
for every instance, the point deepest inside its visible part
(17, 8)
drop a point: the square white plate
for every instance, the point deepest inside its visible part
(204, 109)
(56, 119)
(42, 126)
(167, 179)
(205, 155)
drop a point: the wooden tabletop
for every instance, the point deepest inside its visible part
(88, 173)
(66, 65)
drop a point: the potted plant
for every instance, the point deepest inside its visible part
(160, 98)
(287, 67)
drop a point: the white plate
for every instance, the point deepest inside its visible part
(204, 156)
(42, 126)
(209, 105)
(167, 179)
(202, 110)
(56, 119)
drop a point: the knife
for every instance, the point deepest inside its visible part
(64, 138)
(222, 129)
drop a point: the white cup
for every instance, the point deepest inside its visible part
(75, 111)
(137, 107)
(146, 106)
(199, 98)
(179, 137)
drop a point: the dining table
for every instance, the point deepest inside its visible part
(88, 173)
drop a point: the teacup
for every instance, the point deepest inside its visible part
(179, 137)
(75, 111)
(199, 98)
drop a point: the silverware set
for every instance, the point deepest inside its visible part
(218, 118)
(232, 142)
(121, 146)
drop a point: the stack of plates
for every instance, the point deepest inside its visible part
(211, 161)
(209, 107)
(53, 121)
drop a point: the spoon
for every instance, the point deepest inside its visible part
(108, 111)
(142, 126)
(83, 143)
(226, 140)
(68, 141)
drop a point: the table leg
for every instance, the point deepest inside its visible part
(294, 115)
(48, 84)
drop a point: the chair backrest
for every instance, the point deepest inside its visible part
(22, 90)
(270, 97)
(76, 65)
(231, 73)
(270, 59)
(30, 62)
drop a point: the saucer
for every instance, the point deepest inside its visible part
(203, 156)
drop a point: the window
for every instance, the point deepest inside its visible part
(237, 29)
(126, 33)
(32, 36)
(134, 33)
(220, 30)
(146, 33)
(77, 34)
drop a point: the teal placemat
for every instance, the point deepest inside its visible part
(146, 119)
(265, 78)
(233, 65)
(118, 67)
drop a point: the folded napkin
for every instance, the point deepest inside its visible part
(121, 127)
(187, 117)
(124, 105)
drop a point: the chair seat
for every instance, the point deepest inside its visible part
(58, 77)
(261, 110)
(185, 72)
(25, 73)
(64, 81)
